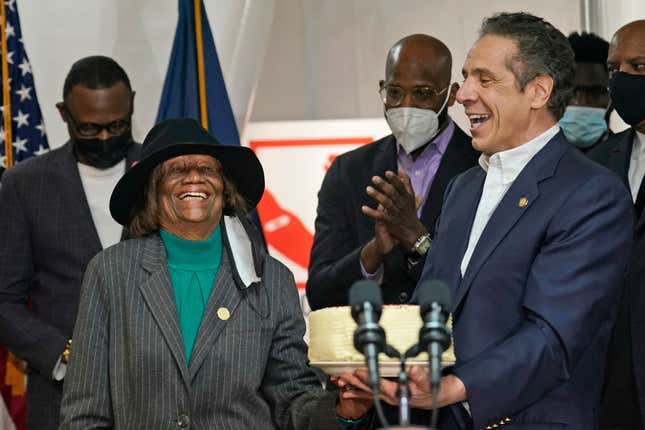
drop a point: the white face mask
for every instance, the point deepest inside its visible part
(413, 127)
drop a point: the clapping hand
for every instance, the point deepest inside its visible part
(397, 208)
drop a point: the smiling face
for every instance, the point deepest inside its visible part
(191, 196)
(501, 115)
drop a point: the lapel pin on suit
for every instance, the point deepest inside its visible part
(223, 313)
(523, 202)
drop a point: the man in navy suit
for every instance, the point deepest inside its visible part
(533, 243)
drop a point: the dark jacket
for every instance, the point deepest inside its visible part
(623, 404)
(342, 229)
(47, 237)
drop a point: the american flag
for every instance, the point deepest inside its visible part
(28, 139)
(27, 127)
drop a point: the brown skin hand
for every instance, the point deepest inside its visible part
(355, 389)
(627, 53)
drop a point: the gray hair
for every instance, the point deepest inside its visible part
(542, 49)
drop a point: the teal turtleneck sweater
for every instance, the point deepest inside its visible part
(193, 265)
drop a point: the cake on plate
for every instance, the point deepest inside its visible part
(331, 339)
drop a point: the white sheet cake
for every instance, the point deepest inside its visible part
(331, 334)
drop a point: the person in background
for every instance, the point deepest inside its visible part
(412, 166)
(623, 404)
(585, 121)
(54, 218)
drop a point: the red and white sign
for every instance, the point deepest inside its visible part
(295, 156)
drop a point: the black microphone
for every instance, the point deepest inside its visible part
(369, 338)
(435, 303)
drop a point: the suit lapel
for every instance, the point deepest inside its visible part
(507, 213)
(462, 218)
(619, 155)
(224, 294)
(385, 158)
(620, 158)
(452, 162)
(517, 201)
(640, 223)
(158, 294)
(69, 180)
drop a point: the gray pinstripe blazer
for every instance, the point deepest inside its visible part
(128, 368)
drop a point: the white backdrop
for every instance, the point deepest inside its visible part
(139, 35)
(308, 59)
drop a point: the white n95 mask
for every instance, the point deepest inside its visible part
(413, 127)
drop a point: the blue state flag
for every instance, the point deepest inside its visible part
(27, 128)
(182, 93)
(181, 90)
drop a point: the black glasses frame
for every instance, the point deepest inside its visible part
(91, 129)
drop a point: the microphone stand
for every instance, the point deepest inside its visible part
(403, 388)
(435, 338)
(403, 393)
(437, 350)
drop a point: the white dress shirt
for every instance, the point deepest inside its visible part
(502, 168)
(637, 164)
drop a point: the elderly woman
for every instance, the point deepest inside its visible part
(191, 324)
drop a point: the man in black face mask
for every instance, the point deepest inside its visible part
(54, 218)
(624, 398)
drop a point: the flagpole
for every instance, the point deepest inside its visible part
(203, 112)
(6, 97)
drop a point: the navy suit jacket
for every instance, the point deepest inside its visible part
(534, 310)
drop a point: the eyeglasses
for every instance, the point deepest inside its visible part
(422, 96)
(90, 129)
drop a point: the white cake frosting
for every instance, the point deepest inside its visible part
(331, 334)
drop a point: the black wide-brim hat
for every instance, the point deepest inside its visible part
(184, 136)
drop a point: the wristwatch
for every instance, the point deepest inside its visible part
(421, 246)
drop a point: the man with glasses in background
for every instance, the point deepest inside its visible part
(357, 239)
(54, 218)
(586, 119)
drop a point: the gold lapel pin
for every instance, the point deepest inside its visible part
(223, 314)
(523, 202)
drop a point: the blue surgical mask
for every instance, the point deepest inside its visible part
(582, 125)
